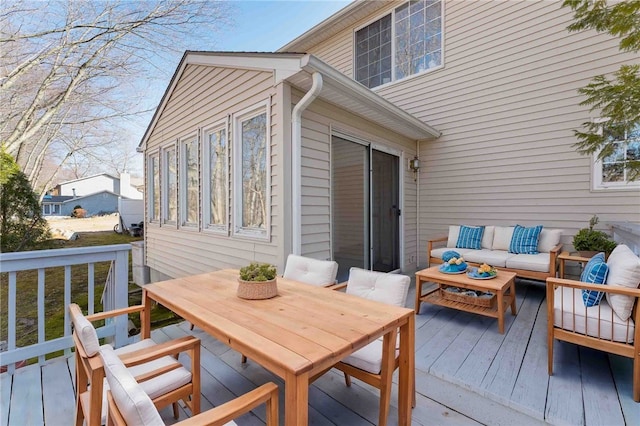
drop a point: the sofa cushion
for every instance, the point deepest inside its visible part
(525, 240)
(491, 257)
(549, 238)
(439, 252)
(487, 237)
(600, 320)
(624, 270)
(502, 237)
(454, 232)
(470, 237)
(530, 262)
(595, 272)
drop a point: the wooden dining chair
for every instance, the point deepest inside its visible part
(372, 364)
(129, 404)
(154, 365)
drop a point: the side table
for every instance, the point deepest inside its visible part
(573, 257)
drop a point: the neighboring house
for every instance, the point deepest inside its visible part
(97, 194)
(252, 156)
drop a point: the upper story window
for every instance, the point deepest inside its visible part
(215, 180)
(251, 171)
(611, 172)
(405, 42)
(153, 173)
(189, 181)
(170, 185)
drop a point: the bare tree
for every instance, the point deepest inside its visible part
(73, 71)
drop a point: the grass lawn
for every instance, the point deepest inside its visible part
(27, 292)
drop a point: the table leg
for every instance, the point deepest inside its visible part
(512, 291)
(418, 294)
(296, 399)
(406, 379)
(501, 311)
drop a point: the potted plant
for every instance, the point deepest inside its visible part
(589, 242)
(257, 281)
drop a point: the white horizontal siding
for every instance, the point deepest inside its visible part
(506, 103)
(204, 96)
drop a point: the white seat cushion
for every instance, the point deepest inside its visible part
(491, 257)
(624, 270)
(531, 262)
(597, 321)
(311, 271)
(379, 286)
(368, 358)
(133, 402)
(437, 252)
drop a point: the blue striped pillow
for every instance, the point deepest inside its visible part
(595, 272)
(525, 240)
(470, 237)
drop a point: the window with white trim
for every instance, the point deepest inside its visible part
(169, 185)
(405, 42)
(189, 181)
(611, 172)
(251, 172)
(153, 179)
(215, 178)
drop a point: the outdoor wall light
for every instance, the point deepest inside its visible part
(414, 165)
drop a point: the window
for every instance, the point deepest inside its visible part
(251, 172)
(406, 42)
(189, 181)
(215, 172)
(153, 173)
(169, 186)
(611, 172)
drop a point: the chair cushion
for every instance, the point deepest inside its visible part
(86, 333)
(597, 321)
(502, 237)
(624, 270)
(530, 262)
(525, 240)
(311, 271)
(133, 402)
(492, 257)
(368, 358)
(549, 238)
(379, 286)
(470, 237)
(595, 272)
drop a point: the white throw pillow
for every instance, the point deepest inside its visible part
(454, 233)
(549, 238)
(624, 270)
(487, 237)
(502, 237)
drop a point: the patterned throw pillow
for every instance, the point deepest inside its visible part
(595, 272)
(470, 237)
(525, 240)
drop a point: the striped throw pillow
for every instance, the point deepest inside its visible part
(525, 240)
(470, 237)
(595, 272)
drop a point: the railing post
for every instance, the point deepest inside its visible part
(121, 296)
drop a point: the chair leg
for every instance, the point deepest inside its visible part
(191, 327)
(636, 374)
(550, 356)
(176, 413)
(347, 379)
(243, 359)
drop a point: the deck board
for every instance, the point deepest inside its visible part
(465, 370)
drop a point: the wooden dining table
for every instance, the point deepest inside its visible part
(298, 335)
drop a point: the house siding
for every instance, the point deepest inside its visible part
(506, 103)
(205, 95)
(318, 123)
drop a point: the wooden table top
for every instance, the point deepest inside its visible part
(497, 283)
(303, 329)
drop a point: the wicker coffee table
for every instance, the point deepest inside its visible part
(503, 286)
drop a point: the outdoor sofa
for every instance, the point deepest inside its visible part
(524, 254)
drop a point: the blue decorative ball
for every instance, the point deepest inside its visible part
(449, 254)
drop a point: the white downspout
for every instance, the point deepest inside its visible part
(296, 160)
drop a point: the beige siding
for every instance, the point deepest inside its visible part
(204, 96)
(318, 121)
(506, 102)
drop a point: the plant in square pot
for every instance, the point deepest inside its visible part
(257, 281)
(589, 242)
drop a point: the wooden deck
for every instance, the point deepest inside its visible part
(466, 374)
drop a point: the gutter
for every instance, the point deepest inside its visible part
(296, 160)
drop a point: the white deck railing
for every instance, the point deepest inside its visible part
(115, 296)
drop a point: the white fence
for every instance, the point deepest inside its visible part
(115, 296)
